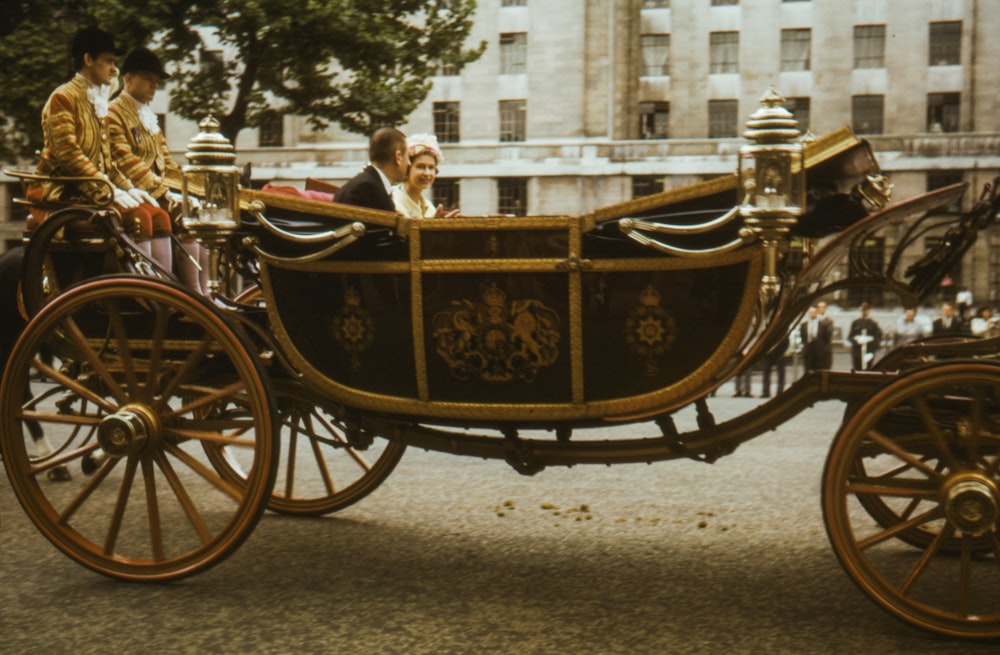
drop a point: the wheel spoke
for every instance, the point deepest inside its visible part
(292, 449)
(206, 473)
(153, 510)
(208, 399)
(73, 385)
(124, 351)
(896, 450)
(947, 456)
(185, 372)
(160, 320)
(930, 515)
(324, 469)
(96, 365)
(212, 436)
(121, 502)
(904, 488)
(192, 513)
(85, 493)
(976, 424)
(925, 559)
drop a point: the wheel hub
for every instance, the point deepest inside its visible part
(127, 431)
(972, 505)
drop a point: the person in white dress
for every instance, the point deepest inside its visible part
(410, 195)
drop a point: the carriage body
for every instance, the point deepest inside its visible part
(367, 332)
(531, 321)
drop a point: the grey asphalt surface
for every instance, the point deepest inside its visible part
(455, 555)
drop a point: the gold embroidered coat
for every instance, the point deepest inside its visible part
(77, 141)
(141, 155)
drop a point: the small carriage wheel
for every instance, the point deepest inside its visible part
(927, 447)
(320, 470)
(120, 368)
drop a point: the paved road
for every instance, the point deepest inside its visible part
(453, 555)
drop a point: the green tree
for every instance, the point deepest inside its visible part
(361, 64)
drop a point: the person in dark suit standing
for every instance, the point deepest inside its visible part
(865, 337)
(372, 187)
(949, 323)
(817, 339)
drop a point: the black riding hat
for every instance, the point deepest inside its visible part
(143, 59)
(93, 41)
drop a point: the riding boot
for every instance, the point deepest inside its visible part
(187, 270)
(163, 252)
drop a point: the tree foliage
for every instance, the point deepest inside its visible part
(361, 64)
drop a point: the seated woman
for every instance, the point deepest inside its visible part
(425, 156)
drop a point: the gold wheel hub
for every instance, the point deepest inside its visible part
(128, 431)
(971, 503)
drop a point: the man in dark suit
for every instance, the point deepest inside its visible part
(865, 337)
(949, 323)
(372, 187)
(817, 339)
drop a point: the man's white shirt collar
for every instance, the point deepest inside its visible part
(385, 180)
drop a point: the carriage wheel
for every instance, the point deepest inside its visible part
(320, 469)
(121, 368)
(925, 452)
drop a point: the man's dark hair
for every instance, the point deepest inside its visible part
(384, 145)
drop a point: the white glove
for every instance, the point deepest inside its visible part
(124, 200)
(174, 198)
(142, 196)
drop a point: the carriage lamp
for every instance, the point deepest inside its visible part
(772, 181)
(213, 176)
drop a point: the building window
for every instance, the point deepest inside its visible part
(448, 69)
(866, 114)
(941, 179)
(946, 43)
(722, 121)
(869, 46)
(646, 185)
(271, 133)
(795, 49)
(513, 196)
(446, 122)
(447, 193)
(722, 3)
(513, 117)
(654, 120)
(942, 112)
(655, 54)
(656, 4)
(513, 53)
(800, 108)
(514, 3)
(725, 52)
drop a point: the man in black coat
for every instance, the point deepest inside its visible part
(817, 341)
(949, 323)
(372, 187)
(865, 337)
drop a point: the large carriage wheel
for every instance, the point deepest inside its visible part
(320, 469)
(927, 449)
(123, 368)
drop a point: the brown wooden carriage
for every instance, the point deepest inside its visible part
(367, 332)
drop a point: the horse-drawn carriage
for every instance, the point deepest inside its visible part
(361, 332)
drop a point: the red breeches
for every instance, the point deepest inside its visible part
(152, 221)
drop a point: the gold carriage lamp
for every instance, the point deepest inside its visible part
(214, 174)
(773, 181)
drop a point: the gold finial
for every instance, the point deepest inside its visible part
(210, 147)
(772, 122)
